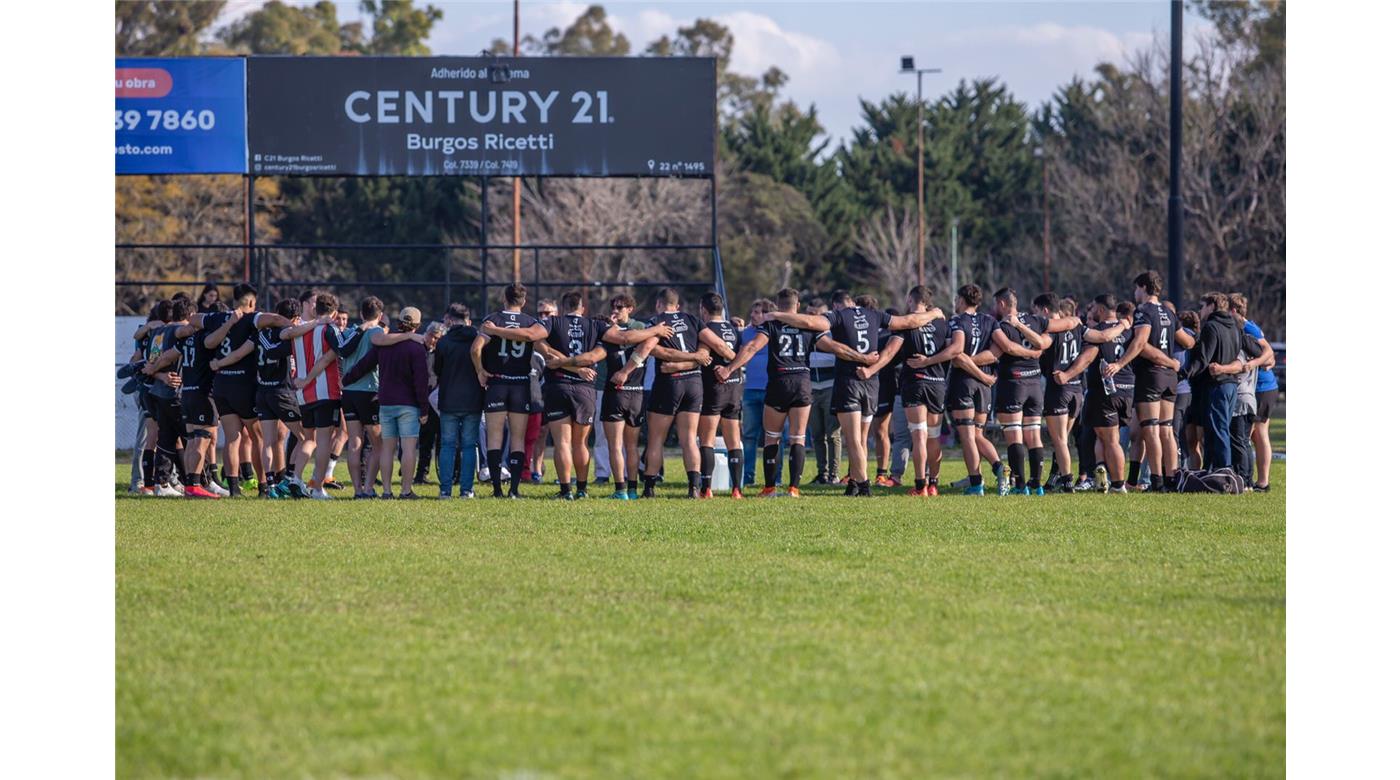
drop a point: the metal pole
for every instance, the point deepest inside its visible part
(953, 265)
(1177, 285)
(515, 182)
(485, 228)
(537, 274)
(247, 228)
(921, 177)
(1045, 229)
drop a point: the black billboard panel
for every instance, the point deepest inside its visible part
(480, 116)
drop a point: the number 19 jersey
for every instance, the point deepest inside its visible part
(506, 360)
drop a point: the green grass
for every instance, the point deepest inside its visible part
(1066, 635)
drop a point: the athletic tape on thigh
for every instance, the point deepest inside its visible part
(773, 434)
(1149, 422)
(1010, 425)
(923, 426)
(964, 421)
(798, 439)
(198, 433)
(865, 419)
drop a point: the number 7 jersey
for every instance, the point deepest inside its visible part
(506, 360)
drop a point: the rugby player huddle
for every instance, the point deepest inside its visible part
(278, 382)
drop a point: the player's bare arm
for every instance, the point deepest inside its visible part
(625, 337)
(1077, 367)
(214, 337)
(296, 331)
(322, 363)
(952, 350)
(533, 333)
(1159, 358)
(804, 321)
(743, 356)
(842, 352)
(478, 344)
(1009, 347)
(716, 344)
(1041, 340)
(386, 339)
(1134, 348)
(914, 320)
(233, 357)
(1107, 334)
(1062, 324)
(883, 358)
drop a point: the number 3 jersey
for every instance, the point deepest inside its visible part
(789, 348)
(506, 360)
(573, 335)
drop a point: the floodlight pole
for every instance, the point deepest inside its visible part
(919, 77)
(1176, 289)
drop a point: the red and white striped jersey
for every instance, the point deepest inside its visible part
(307, 349)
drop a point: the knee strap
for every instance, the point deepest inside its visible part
(957, 421)
(198, 433)
(798, 439)
(1149, 422)
(1009, 426)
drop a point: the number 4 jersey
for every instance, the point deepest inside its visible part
(506, 360)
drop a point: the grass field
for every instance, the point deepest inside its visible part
(1065, 635)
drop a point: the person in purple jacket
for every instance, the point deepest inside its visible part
(403, 399)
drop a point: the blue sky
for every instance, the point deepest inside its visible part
(838, 52)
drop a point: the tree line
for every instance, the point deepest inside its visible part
(793, 209)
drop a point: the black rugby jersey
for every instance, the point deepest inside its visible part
(274, 357)
(685, 339)
(508, 361)
(573, 335)
(977, 336)
(1011, 367)
(858, 328)
(928, 341)
(1162, 335)
(730, 336)
(789, 348)
(1110, 352)
(1062, 354)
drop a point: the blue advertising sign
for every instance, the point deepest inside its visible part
(181, 115)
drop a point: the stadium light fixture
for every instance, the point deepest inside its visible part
(906, 65)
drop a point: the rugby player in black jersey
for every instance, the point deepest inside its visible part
(922, 356)
(574, 344)
(1020, 391)
(276, 403)
(233, 335)
(723, 401)
(856, 393)
(502, 355)
(621, 413)
(1064, 396)
(1107, 400)
(789, 393)
(970, 387)
(162, 368)
(1156, 334)
(677, 392)
(196, 408)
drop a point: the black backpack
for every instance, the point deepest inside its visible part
(1217, 481)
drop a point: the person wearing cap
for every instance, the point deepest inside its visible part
(403, 399)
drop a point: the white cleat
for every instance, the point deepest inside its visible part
(320, 494)
(168, 491)
(217, 489)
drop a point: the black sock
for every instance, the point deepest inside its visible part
(1156, 481)
(996, 468)
(189, 480)
(797, 462)
(1115, 484)
(619, 487)
(648, 486)
(707, 466)
(736, 468)
(148, 468)
(564, 489)
(245, 471)
(863, 489)
(493, 464)
(879, 472)
(770, 465)
(516, 464)
(1133, 468)
(692, 483)
(975, 479)
(632, 486)
(1037, 464)
(1016, 453)
(920, 484)
(580, 486)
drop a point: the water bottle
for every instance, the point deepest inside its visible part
(1109, 386)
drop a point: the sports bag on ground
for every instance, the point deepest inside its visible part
(1217, 481)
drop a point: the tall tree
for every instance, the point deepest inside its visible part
(589, 35)
(155, 28)
(278, 28)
